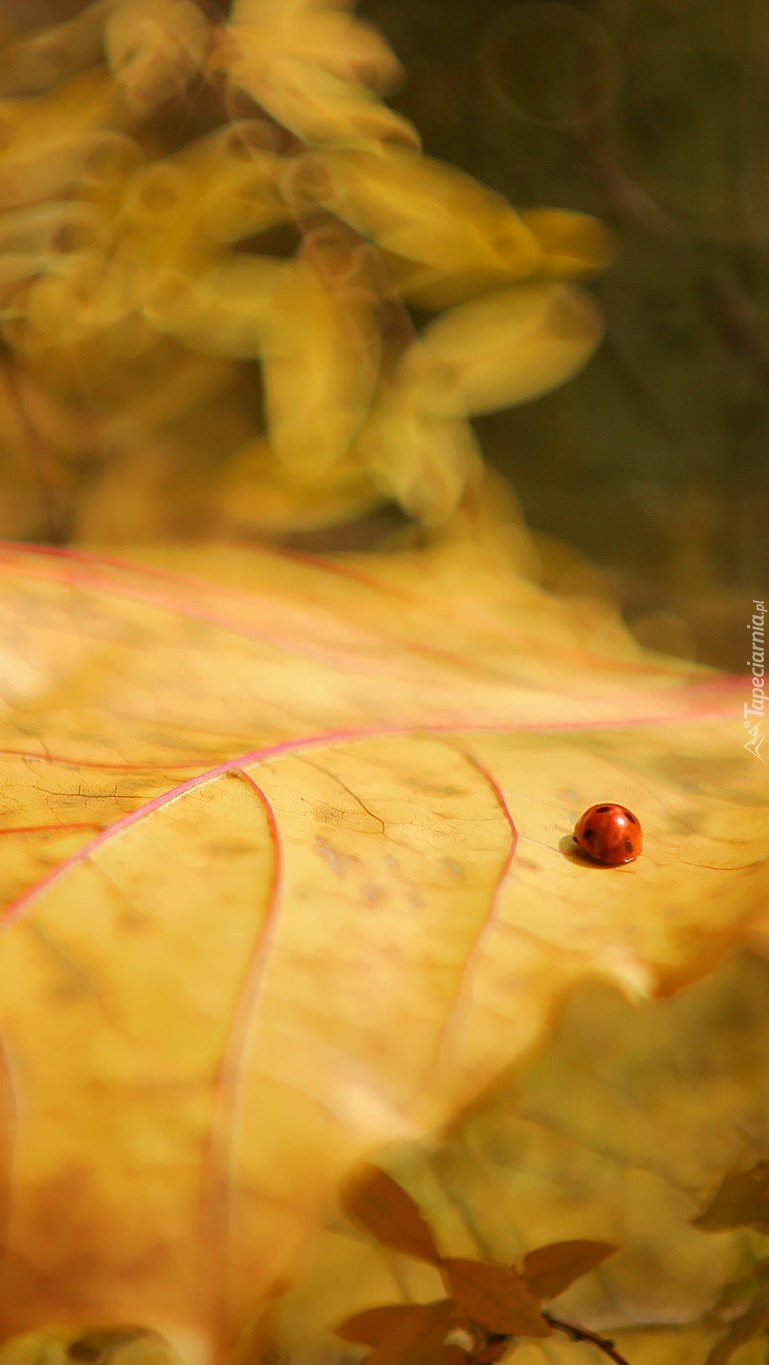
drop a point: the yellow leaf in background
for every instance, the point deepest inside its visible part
(288, 874)
(620, 1123)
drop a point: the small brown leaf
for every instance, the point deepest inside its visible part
(551, 1269)
(495, 1297)
(381, 1206)
(416, 1336)
(741, 1201)
(374, 1325)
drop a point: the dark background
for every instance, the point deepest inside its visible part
(653, 114)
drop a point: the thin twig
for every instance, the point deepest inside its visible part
(584, 1334)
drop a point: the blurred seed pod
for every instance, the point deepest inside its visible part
(320, 358)
(323, 31)
(45, 141)
(258, 493)
(34, 64)
(315, 69)
(426, 212)
(502, 349)
(574, 245)
(58, 226)
(421, 459)
(153, 49)
(223, 311)
(245, 202)
(165, 215)
(110, 159)
(84, 300)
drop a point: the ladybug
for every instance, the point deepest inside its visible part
(609, 834)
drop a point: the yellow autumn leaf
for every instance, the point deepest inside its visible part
(288, 874)
(621, 1123)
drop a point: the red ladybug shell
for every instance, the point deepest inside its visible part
(609, 834)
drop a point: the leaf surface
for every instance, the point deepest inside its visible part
(551, 1269)
(381, 1206)
(288, 873)
(406, 1334)
(374, 1325)
(495, 1297)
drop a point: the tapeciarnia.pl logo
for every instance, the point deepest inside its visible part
(755, 707)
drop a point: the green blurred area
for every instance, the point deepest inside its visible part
(653, 114)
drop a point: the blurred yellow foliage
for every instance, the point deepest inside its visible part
(178, 189)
